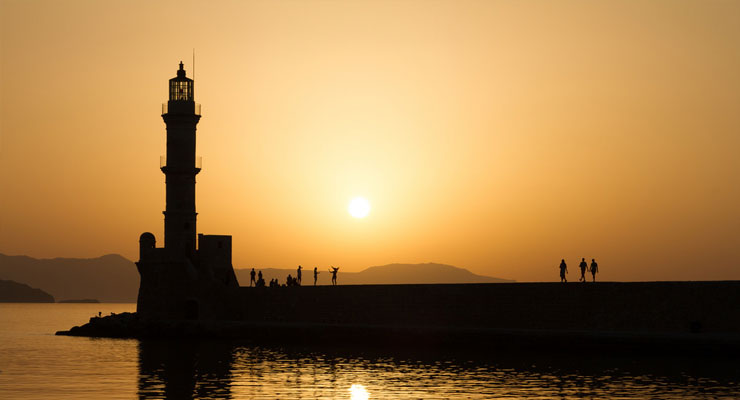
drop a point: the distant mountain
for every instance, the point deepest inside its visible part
(14, 292)
(384, 274)
(109, 278)
(114, 279)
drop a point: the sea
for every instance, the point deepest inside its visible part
(36, 364)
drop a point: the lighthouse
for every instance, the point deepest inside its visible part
(181, 115)
(191, 277)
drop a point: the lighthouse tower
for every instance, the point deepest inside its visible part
(183, 279)
(181, 115)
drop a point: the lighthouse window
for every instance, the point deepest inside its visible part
(181, 90)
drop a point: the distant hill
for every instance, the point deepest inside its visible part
(114, 279)
(384, 274)
(14, 292)
(109, 278)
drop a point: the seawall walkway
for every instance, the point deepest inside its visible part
(634, 317)
(647, 307)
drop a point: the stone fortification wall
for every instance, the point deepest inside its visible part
(660, 307)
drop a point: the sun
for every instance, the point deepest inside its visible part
(359, 207)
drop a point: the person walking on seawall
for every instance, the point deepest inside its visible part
(333, 271)
(298, 275)
(315, 275)
(563, 271)
(594, 268)
(252, 280)
(583, 266)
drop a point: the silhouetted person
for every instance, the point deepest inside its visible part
(315, 275)
(563, 271)
(251, 275)
(100, 314)
(333, 271)
(594, 268)
(289, 281)
(583, 266)
(298, 275)
(259, 276)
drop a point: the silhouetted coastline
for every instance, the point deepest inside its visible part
(113, 278)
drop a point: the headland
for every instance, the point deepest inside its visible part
(15, 292)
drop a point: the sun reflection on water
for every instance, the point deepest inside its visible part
(358, 392)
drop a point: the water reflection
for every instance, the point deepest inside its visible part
(215, 370)
(358, 392)
(185, 370)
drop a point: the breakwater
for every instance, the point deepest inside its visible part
(649, 307)
(638, 317)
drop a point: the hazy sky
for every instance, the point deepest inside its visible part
(495, 136)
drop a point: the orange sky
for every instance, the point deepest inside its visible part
(494, 136)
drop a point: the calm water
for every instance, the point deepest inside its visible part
(35, 364)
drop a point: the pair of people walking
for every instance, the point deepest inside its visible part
(583, 265)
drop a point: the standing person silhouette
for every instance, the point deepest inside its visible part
(583, 266)
(315, 275)
(594, 268)
(333, 271)
(251, 275)
(259, 277)
(563, 271)
(298, 275)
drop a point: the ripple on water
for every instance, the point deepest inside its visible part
(34, 364)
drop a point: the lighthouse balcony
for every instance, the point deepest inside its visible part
(177, 167)
(181, 107)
